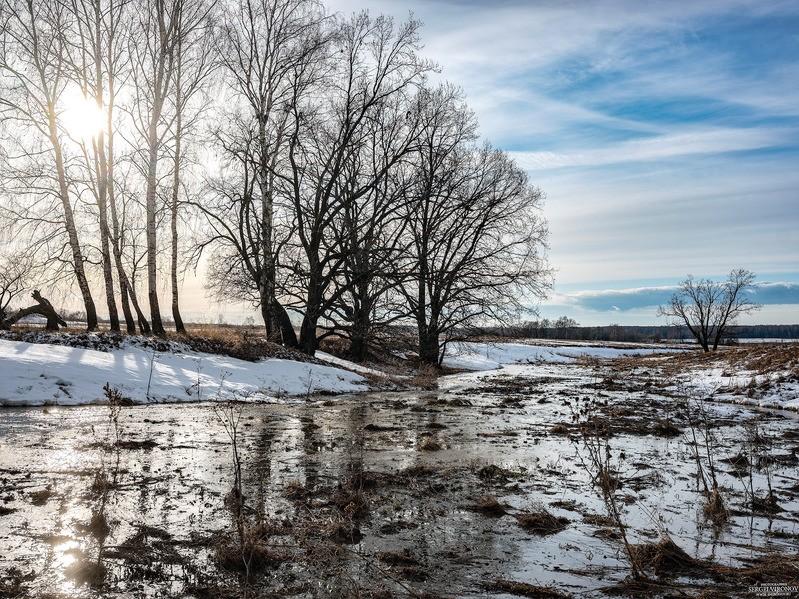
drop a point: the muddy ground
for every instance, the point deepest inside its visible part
(584, 480)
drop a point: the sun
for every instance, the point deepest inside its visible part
(81, 117)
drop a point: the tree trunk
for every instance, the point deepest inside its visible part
(429, 346)
(152, 248)
(268, 272)
(144, 326)
(114, 233)
(161, 77)
(308, 342)
(101, 168)
(286, 328)
(175, 190)
(130, 324)
(127, 292)
(179, 327)
(361, 332)
(43, 307)
(313, 307)
(102, 205)
(69, 221)
(358, 350)
(269, 311)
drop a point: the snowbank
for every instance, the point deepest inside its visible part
(489, 356)
(39, 374)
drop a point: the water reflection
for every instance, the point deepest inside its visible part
(402, 469)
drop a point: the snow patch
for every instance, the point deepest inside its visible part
(490, 356)
(39, 374)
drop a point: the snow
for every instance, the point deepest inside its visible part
(489, 356)
(40, 374)
(776, 390)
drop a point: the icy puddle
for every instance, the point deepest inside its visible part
(490, 486)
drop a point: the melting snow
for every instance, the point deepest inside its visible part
(38, 374)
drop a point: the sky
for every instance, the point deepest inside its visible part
(665, 136)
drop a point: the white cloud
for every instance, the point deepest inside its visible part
(700, 141)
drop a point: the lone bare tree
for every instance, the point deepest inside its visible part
(709, 308)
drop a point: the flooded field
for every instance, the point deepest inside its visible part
(534, 481)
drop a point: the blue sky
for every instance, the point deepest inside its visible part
(664, 134)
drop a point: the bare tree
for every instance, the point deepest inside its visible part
(166, 24)
(94, 60)
(33, 67)
(42, 307)
(129, 248)
(710, 308)
(371, 230)
(477, 232)
(194, 65)
(273, 52)
(376, 62)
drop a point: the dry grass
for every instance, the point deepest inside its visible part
(522, 589)
(344, 532)
(429, 444)
(665, 558)
(237, 342)
(425, 377)
(541, 522)
(488, 506)
(417, 471)
(770, 569)
(352, 502)
(253, 555)
(296, 490)
(496, 474)
(397, 559)
(559, 429)
(715, 510)
(762, 359)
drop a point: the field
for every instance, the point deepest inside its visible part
(595, 474)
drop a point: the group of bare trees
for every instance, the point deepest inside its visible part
(94, 100)
(321, 174)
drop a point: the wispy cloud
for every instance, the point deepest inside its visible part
(712, 141)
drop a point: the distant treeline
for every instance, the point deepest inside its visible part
(568, 329)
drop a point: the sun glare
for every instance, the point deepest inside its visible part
(81, 118)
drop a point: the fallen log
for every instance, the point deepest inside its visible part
(42, 307)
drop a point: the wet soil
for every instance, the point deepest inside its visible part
(484, 487)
